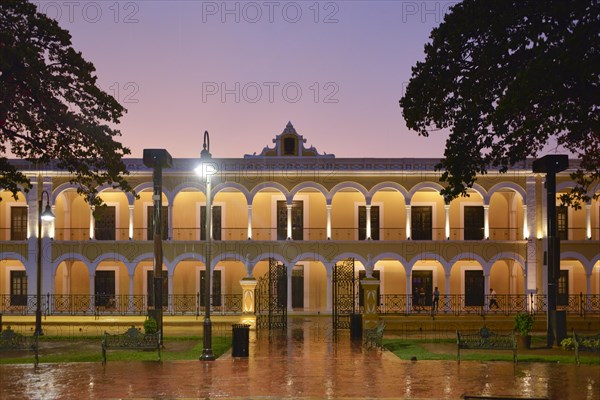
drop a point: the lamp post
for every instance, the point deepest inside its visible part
(46, 215)
(205, 170)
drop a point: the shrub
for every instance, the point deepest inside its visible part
(523, 323)
(150, 326)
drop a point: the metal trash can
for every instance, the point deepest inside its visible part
(240, 340)
(356, 326)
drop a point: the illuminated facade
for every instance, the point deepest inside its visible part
(308, 211)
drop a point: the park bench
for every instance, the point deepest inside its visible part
(485, 339)
(133, 339)
(374, 337)
(586, 343)
(12, 341)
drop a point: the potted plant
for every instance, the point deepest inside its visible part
(150, 326)
(523, 326)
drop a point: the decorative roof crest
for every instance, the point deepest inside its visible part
(289, 144)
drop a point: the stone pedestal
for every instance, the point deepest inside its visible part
(248, 316)
(370, 301)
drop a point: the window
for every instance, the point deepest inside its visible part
(297, 220)
(298, 286)
(18, 223)
(215, 221)
(474, 288)
(18, 288)
(473, 222)
(362, 222)
(216, 288)
(289, 146)
(563, 288)
(420, 222)
(164, 216)
(165, 288)
(105, 225)
(104, 288)
(562, 222)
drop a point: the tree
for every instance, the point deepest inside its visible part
(505, 77)
(51, 109)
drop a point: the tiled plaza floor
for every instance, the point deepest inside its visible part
(305, 363)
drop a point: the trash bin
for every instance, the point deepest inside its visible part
(240, 340)
(356, 326)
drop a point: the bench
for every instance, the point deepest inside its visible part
(374, 337)
(487, 340)
(586, 343)
(12, 341)
(133, 339)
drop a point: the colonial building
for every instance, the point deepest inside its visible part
(307, 211)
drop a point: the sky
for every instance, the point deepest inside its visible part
(243, 69)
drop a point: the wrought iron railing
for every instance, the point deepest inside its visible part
(506, 304)
(190, 304)
(81, 304)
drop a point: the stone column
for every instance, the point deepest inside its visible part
(370, 301)
(92, 223)
(447, 208)
(328, 207)
(170, 222)
(289, 221)
(588, 221)
(248, 316)
(249, 222)
(130, 222)
(368, 227)
(486, 221)
(408, 221)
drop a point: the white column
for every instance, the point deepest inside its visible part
(170, 299)
(170, 222)
(408, 291)
(92, 292)
(368, 228)
(328, 207)
(486, 289)
(408, 221)
(249, 221)
(329, 288)
(447, 294)
(289, 290)
(447, 231)
(289, 221)
(486, 221)
(131, 276)
(588, 221)
(92, 223)
(532, 228)
(131, 222)
(52, 224)
(525, 225)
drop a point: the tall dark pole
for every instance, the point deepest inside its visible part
(207, 353)
(38, 288)
(48, 216)
(157, 159)
(551, 165)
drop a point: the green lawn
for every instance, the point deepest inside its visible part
(88, 349)
(406, 349)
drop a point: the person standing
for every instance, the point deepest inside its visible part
(436, 301)
(493, 301)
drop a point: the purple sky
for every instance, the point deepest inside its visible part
(242, 70)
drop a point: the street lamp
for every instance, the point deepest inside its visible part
(46, 215)
(205, 170)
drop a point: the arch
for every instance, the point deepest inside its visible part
(233, 185)
(74, 257)
(228, 256)
(308, 185)
(110, 257)
(390, 255)
(13, 256)
(345, 256)
(314, 256)
(269, 185)
(475, 257)
(423, 185)
(186, 185)
(428, 256)
(20, 189)
(348, 185)
(511, 256)
(587, 266)
(129, 196)
(62, 188)
(389, 185)
(507, 185)
(560, 186)
(480, 190)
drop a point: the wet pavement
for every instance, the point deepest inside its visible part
(305, 363)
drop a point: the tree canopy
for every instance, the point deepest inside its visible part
(506, 78)
(51, 108)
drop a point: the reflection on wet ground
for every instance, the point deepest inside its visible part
(305, 363)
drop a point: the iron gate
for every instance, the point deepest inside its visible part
(344, 294)
(271, 297)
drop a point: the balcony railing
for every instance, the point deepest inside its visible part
(390, 304)
(81, 304)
